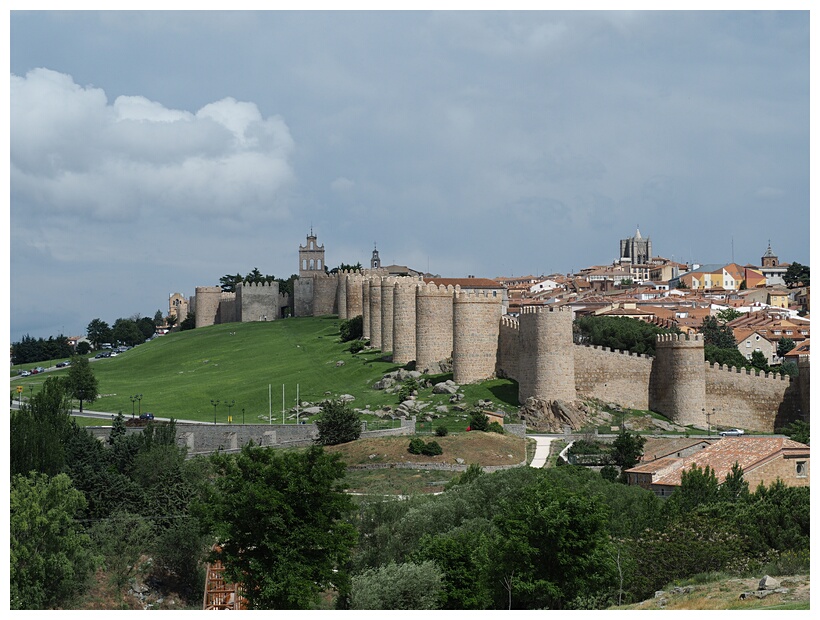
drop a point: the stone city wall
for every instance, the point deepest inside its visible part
(353, 296)
(613, 376)
(365, 285)
(748, 400)
(506, 365)
(324, 294)
(258, 301)
(677, 384)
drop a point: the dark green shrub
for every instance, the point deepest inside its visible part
(479, 421)
(495, 427)
(356, 346)
(352, 329)
(416, 446)
(432, 449)
(409, 386)
(441, 431)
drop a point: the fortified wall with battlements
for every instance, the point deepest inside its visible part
(258, 301)
(411, 320)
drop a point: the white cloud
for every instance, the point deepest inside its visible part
(74, 153)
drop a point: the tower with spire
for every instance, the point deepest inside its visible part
(375, 262)
(769, 259)
(635, 250)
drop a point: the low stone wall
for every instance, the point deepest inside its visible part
(207, 438)
(433, 466)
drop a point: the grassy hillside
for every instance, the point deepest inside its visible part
(179, 374)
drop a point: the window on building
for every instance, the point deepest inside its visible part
(801, 469)
(748, 343)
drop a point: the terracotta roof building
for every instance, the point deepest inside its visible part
(762, 459)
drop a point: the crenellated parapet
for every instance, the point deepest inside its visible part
(547, 363)
(258, 301)
(434, 324)
(476, 320)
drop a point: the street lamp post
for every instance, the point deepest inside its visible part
(243, 416)
(229, 405)
(139, 403)
(214, 403)
(133, 400)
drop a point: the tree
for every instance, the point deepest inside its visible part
(797, 274)
(50, 558)
(83, 348)
(759, 361)
(352, 329)
(189, 322)
(121, 540)
(697, 487)
(619, 332)
(81, 382)
(784, 345)
(627, 450)
(728, 357)
(39, 430)
(279, 517)
(404, 586)
(171, 320)
(337, 423)
(734, 487)
(99, 332)
(728, 314)
(126, 331)
(479, 421)
(798, 431)
(229, 282)
(158, 318)
(549, 548)
(716, 334)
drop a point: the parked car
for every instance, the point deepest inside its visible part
(40, 369)
(732, 432)
(146, 416)
(63, 364)
(25, 373)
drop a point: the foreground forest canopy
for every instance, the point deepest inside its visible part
(523, 538)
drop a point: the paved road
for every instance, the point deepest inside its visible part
(542, 449)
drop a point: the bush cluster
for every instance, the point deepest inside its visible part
(418, 446)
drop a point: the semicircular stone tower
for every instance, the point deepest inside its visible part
(547, 360)
(476, 320)
(677, 384)
(341, 295)
(354, 294)
(434, 325)
(404, 320)
(387, 314)
(365, 286)
(376, 312)
(207, 300)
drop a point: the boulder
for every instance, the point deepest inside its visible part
(446, 387)
(551, 416)
(347, 398)
(340, 363)
(768, 583)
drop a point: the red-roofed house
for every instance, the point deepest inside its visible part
(762, 459)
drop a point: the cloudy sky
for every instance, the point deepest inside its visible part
(153, 152)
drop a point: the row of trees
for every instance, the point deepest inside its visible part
(30, 350)
(524, 538)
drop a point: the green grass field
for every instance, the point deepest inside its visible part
(179, 374)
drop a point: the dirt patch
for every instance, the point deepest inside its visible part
(485, 449)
